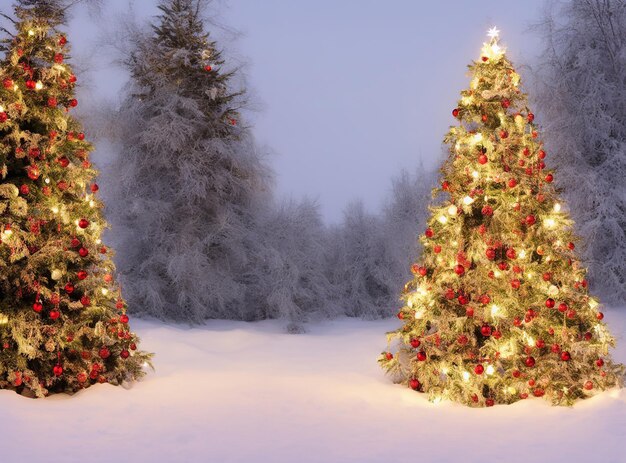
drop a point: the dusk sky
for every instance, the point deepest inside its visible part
(349, 91)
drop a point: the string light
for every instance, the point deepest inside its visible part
(468, 200)
(557, 207)
(38, 85)
(466, 376)
(490, 370)
(549, 223)
(452, 210)
(443, 219)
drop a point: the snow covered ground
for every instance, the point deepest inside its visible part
(235, 392)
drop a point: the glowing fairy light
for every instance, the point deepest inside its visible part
(452, 210)
(495, 310)
(31, 32)
(466, 376)
(54, 209)
(549, 223)
(477, 138)
(490, 370)
(47, 180)
(475, 174)
(557, 207)
(522, 254)
(104, 291)
(443, 219)
(38, 85)
(468, 200)
(493, 33)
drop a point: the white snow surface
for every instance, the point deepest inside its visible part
(234, 391)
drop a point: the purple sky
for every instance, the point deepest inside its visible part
(351, 91)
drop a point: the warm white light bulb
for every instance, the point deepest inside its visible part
(475, 174)
(38, 85)
(452, 210)
(443, 219)
(490, 370)
(549, 223)
(466, 376)
(468, 200)
(557, 207)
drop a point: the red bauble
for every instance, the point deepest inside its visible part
(540, 343)
(104, 352)
(510, 253)
(437, 249)
(497, 334)
(55, 298)
(83, 223)
(571, 245)
(421, 356)
(549, 178)
(388, 355)
(72, 78)
(530, 362)
(490, 402)
(119, 304)
(81, 377)
(600, 362)
(414, 384)
(429, 233)
(485, 330)
(538, 392)
(462, 340)
(55, 314)
(484, 118)
(571, 313)
(505, 103)
(512, 183)
(37, 306)
(563, 307)
(57, 370)
(541, 154)
(550, 303)
(482, 159)
(599, 315)
(445, 185)
(82, 274)
(530, 117)
(83, 252)
(24, 189)
(469, 312)
(133, 346)
(515, 284)
(8, 83)
(94, 187)
(565, 356)
(588, 385)
(30, 84)
(422, 271)
(455, 112)
(531, 220)
(490, 253)
(85, 301)
(547, 276)
(487, 210)
(401, 315)
(459, 270)
(58, 58)
(463, 299)
(484, 299)
(415, 343)
(504, 134)
(124, 319)
(450, 294)
(52, 102)
(3, 116)
(63, 161)
(479, 369)
(73, 102)
(69, 288)
(62, 40)
(32, 172)
(555, 348)
(503, 266)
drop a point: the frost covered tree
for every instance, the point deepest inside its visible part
(286, 277)
(63, 322)
(188, 175)
(582, 96)
(370, 254)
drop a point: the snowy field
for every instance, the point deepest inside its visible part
(248, 392)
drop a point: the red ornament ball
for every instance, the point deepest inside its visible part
(94, 187)
(549, 178)
(487, 210)
(550, 303)
(547, 276)
(512, 183)
(459, 270)
(437, 249)
(57, 370)
(83, 223)
(571, 245)
(510, 253)
(504, 134)
(482, 159)
(588, 385)
(388, 355)
(69, 288)
(485, 330)
(415, 343)
(414, 384)
(479, 369)
(455, 112)
(563, 307)
(530, 362)
(469, 312)
(124, 318)
(530, 117)
(37, 306)
(565, 356)
(599, 315)
(85, 301)
(104, 352)
(429, 233)
(81, 377)
(208, 68)
(421, 356)
(83, 252)
(555, 348)
(24, 189)
(462, 340)
(541, 154)
(600, 362)
(490, 253)
(515, 284)
(81, 274)
(505, 103)
(55, 314)
(531, 220)
(7, 83)
(73, 102)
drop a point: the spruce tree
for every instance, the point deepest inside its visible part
(63, 324)
(188, 175)
(499, 308)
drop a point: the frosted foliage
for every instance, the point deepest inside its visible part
(286, 278)
(371, 254)
(188, 180)
(582, 96)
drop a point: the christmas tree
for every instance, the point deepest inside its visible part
(499, 308)
(188, 176)
(63, 325)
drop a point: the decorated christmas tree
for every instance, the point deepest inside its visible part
(499, 308)
(63, 325)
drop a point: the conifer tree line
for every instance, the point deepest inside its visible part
(200, 234)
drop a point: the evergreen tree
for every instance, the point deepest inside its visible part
(583, 98)
(188, 176)
(63, 324)
(499, 309)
